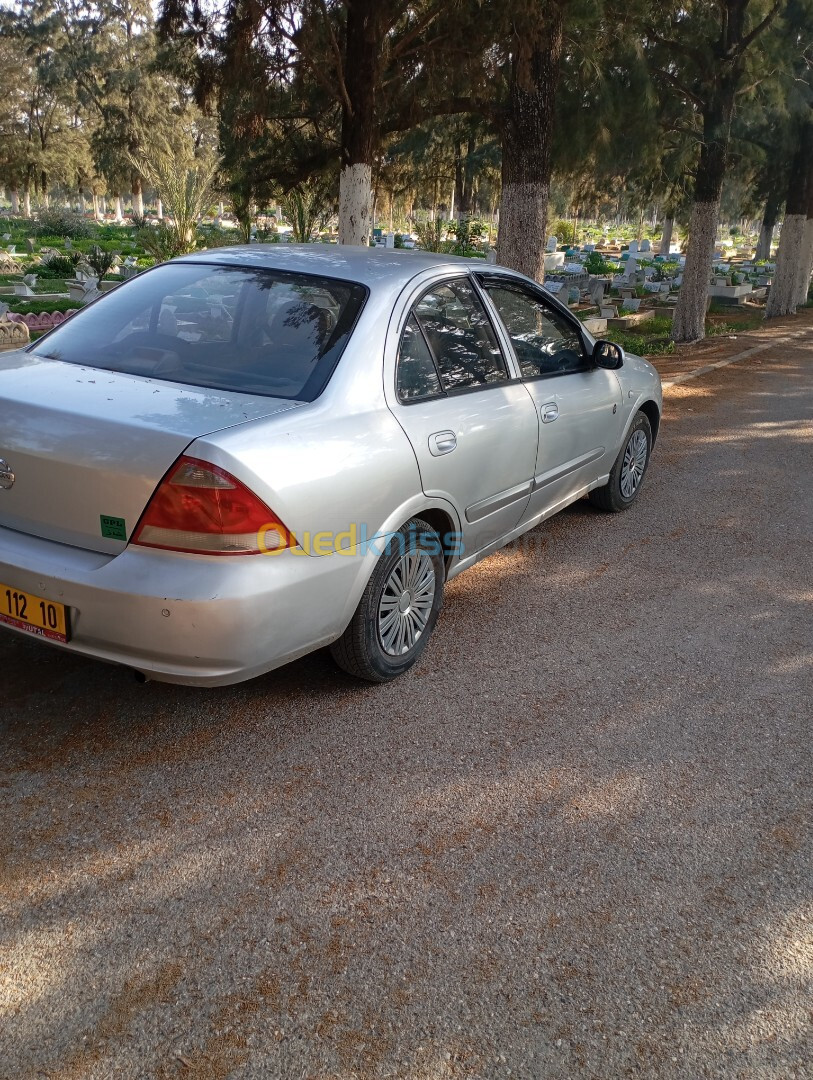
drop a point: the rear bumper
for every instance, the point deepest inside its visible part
(198, 620)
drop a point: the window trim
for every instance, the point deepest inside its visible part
(548, 302)
(508, 359)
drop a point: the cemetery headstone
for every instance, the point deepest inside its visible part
(645, 246)
(552, 243)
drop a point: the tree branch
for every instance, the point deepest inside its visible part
(687, 93)
(420, 26)
(678, 46)
(766, 22)
(337, 53)
(415, 114)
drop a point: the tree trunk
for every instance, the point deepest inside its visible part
(784, 293)
(806, 260)
(119, 215)
(95, 206)
(27, 200)
(690, 315)
(666, 236)
(527, 132)
(362, 56)
(138, 196)
(763, 252)
(15, 201)
(160, 209)
(805, 264)
(770, 216)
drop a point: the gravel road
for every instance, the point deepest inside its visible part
(575, 842)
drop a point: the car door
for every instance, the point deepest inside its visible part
(469, 419)
(578, 404)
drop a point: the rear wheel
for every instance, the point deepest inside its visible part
(399, 608)
(628, 472)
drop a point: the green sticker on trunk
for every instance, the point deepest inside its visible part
(113, 528)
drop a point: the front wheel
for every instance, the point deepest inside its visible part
(628, 472)
(399, 607)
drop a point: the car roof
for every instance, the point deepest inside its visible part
(373, 266)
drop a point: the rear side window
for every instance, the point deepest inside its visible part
(457, 331)
(417, 375)
(253, 331)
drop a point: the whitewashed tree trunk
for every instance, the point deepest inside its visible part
(82, 203)
(782, 298)
(666, 236)
(15, 201)
(805, 264)
(355, 196)
(160, 210)
(138, 203)
(763, 251)
(690, 315)
(523, 224)
(119, 214)
(96, 212)
(27, 203)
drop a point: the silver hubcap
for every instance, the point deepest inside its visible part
(406, 603)
(632, 470)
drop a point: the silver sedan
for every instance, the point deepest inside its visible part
(244, 455)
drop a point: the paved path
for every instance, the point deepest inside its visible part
(575, 842)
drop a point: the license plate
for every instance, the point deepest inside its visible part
(34, 614)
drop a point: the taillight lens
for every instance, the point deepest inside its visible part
(201, 508)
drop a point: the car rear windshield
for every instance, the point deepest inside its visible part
(253, 331)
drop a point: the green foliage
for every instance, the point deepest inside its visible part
(565, 232)
(61, 223)
(431, 234)
(595, 263)
(58, 266)
(100, 261)
(307, 208)
(163, 243)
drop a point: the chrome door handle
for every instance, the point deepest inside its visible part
(442, 442)
(549, 412)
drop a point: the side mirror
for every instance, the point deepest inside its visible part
(606, 354)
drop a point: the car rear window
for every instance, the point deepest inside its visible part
(253, 331)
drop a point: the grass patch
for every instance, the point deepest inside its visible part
(27, 306)
(733, 324)
(47, 285)
(651, 339)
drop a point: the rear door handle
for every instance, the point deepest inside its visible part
(442, 442)
(549, 411)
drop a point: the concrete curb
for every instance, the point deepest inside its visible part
(697, 372)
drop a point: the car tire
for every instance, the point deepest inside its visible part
(399, 608)
(628, 472)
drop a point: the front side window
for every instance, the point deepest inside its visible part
(544, 341)
(252, 331)
(459, 335)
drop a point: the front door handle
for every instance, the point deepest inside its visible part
(549, 411)
(442, 442)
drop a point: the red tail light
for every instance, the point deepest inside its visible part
(201, 508)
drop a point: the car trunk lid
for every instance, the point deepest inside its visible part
(85, 448)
